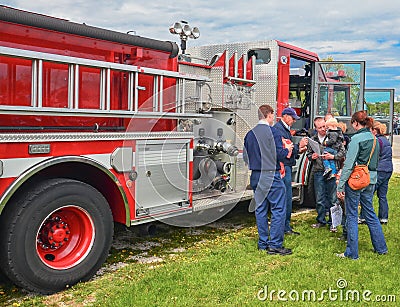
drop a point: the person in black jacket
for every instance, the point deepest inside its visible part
(289, 116)
(263, 150)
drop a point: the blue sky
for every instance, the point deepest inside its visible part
(366, 30)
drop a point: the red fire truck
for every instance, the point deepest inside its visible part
(100, 127)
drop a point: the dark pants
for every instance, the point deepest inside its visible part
(269, 195)
(364, 198)
(289, 195)
(325, 195)
(381, 188)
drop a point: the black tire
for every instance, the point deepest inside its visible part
(309, 194)
(35, 260)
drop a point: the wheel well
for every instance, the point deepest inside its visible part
(86, 173)
(305, 176)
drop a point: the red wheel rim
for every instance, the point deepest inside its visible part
(65, 237)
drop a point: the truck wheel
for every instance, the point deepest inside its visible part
(309, 194)
(57, 234)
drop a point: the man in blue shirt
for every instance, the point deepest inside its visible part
(289, 117)
(263, 152)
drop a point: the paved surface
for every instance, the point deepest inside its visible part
(396, 153)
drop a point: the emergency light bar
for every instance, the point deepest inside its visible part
(176, 28)
(184, 31)
(195, 33)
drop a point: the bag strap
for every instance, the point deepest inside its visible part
(372, 151)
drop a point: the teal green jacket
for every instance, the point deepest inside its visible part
(358, 152)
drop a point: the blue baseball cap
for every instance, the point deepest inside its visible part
(291, 112)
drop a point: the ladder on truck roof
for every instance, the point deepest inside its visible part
(104, 109)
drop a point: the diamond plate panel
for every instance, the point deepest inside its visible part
(212, 92)
(221, 200)
(265, 76)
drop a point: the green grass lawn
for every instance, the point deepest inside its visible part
(222, 267)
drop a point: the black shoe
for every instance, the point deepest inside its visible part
(292, 232)
(279, 251)
(327, 173)
(383, 253)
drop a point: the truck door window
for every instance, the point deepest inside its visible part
(379, 104)
(300, 90)
(263, 56)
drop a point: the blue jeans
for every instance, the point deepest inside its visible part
(269, 195)
(343, 223)
(325, 195)
(363, 197)
(287, 180)
(330, 163)
(381, 189)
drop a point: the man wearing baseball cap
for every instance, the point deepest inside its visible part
(289, 117)
(291, 112)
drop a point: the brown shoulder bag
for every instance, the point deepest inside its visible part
(359, 177)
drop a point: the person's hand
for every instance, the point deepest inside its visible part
(287, 143)
(327, 156)
(314, 156)
(290, 148)
(340, 195)
(303, 145)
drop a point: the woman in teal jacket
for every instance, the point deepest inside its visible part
(358, 152)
